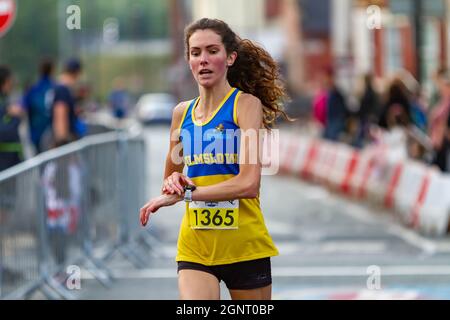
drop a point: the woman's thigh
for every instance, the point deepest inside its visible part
(198, 285)
(264, 293)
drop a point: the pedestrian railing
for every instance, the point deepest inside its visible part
(75, 206)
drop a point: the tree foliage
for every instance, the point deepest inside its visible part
(40, 29)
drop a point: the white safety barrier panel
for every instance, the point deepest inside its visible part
(380, 174)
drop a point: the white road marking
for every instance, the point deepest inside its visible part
(410, 236)
(292, 272)
(357, 271)
(363, 247)
(414, 239)
(346, 294)
(280, 228)
(327, 247)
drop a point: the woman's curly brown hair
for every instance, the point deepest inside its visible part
(254, 70)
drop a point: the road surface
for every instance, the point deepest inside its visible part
(330, 248)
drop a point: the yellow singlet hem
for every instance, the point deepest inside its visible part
(227, 261)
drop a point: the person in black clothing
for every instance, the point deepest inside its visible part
(64, 119)
(337, 111)
(10, 146)
(442, 155)
(397, 109)
(369, 103)
(447, 138)
(368, 109)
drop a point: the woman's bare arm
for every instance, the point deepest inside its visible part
(174, 156)
(247, 183)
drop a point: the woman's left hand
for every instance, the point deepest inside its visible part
(175, 183)
(153, 205)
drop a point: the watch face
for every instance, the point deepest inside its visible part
(188, 195)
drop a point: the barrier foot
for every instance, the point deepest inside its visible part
(100, 272)
(101, 277)
(59, 289)
(151, 243)
(132, 256)
(48, 292)
(99, 264)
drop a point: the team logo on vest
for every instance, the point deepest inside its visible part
(220, 132)
(220, 128)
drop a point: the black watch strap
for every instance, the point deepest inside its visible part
(190, 187)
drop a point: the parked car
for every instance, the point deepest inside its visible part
(155, 108)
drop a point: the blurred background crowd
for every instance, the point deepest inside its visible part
(358, 71)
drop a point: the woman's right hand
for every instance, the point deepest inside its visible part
(175, 183)
(155, 204)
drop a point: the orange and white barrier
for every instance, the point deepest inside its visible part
(357, 184)
(325, 163)
(419, 194)
(412, 185)
(431, 211)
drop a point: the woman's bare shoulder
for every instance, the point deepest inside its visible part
(248, 109)
(248, 99)
(248, 104)
(180, 108)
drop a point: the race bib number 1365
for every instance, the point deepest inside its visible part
(214, 215)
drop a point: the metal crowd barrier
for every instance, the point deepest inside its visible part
(75, 205)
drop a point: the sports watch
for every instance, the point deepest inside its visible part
(188, 189)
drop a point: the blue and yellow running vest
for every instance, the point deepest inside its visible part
(215, 233)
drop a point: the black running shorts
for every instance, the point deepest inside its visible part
(245, 275)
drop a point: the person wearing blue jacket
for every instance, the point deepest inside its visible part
(10, 145)
(38, 104)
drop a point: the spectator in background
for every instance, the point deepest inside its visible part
(418, 109)
(438, 79)
(85, 100)
(61, 180)
(417, 102)
(82, 97)
(10, 146)
(337, 111)
(417, 142)
(438, 128)
(38, 104)
(119, 99)
(447, 168)
(397, 109)
(320, 101)
(10, 155)
(370, 101)
(368, 112)
(65, 123)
